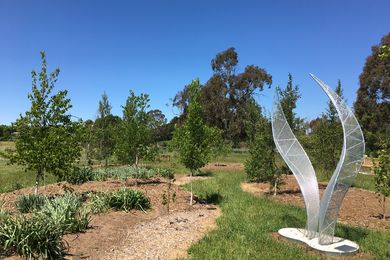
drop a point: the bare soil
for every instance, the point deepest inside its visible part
(134, 234)
(360, 207)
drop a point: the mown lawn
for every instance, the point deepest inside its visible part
(247, 223)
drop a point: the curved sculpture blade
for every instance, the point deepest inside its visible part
(347, 168)
(299, 163)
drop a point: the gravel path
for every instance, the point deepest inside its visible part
(167, 237)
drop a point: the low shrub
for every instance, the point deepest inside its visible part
(127, 199)
(30, 202)
(79, 175)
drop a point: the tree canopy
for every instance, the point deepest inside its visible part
(372, 105)
(47, 140)
(225, 95)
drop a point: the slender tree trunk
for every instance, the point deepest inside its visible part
(276, 186)
(191, 200)
(384, 207)
(106, 162)
(36, 183)
(136, 161)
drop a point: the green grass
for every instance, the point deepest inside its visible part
(14, 177)
(366, 182)
(247, 222)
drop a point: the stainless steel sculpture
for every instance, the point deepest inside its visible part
(298, 161)
(321, 216)
(347, 168)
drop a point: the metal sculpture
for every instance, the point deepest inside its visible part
(321, 216)
(297, 160)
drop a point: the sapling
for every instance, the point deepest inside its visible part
(382, 176)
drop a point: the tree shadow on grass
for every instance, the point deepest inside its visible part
(211, 198)
(352, 233)
(204, 174)
(292, 221)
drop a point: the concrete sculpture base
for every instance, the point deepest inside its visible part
(340, 246)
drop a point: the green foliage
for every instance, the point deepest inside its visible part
(194, 140)
(372, 106)
(127, 199)
(104, 130)
(131, 172)
(98, 202)
(288, 101)
(79, 175)
(260, 166)
(65, 213)
(30, 202)
(247, 223)
(225, 94)
(134, 133)
(382, 175)
(47, 140)
(31, 238)
(7, 132)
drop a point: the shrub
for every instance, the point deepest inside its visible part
(31, 238)
(28, 203)
(79, 175)
(127, 199)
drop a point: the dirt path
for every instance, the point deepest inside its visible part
(167, 237)
(360, 207)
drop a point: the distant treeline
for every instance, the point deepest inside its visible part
(7, 132)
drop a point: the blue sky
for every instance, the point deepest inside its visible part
(157, 47)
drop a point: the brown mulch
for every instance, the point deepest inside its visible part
(113, 235)
(359, 208)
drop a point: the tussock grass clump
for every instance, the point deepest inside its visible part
(31, 238)
(127, 199)
(79, 175)
(30, 202)
(65, 212)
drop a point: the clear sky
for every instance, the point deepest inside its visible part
(157, 47)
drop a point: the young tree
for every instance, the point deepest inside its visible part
(382, 175)
(328, 138)
(261, 166)
(104, 128)
(48, 141)
(194, 140)
(288, 101)
(134, 133)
